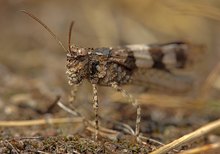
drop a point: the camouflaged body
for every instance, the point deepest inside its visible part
(104, 66)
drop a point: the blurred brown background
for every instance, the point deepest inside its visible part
(32, 64)
(31, 59)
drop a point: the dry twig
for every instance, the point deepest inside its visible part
(39, 122)
(215, 147)
(16, 150)
(213, 76)
(189, 137)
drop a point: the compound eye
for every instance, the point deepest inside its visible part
(82, 51)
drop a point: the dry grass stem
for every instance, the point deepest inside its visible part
(209, 148)
(39, 151)
(67, 109)
(210, 81)
(40, 122)
(160, 100)
(111, 134)
(188, 138)
(123, 127)
(15, 150)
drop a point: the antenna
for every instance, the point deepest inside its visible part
(46, 27)
(70, 33)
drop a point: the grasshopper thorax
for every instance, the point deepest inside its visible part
(77, 64)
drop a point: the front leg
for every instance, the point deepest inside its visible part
(74, 89)
(135, 104)
(95, 108)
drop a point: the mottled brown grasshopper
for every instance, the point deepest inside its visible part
(133, 64)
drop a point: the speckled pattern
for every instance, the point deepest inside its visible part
(104, 66)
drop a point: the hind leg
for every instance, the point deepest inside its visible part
(135, 103)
